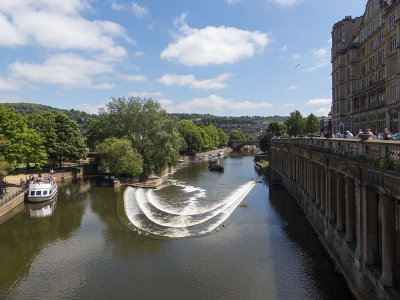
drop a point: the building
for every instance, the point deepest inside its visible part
(365, 75)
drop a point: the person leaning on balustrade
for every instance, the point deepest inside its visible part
(349, 135)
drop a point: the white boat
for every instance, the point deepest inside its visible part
(42, 190)
(221, 153)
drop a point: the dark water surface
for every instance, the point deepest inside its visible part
(80, 248)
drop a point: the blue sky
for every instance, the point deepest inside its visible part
(223, 57)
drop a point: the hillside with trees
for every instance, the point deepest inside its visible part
(82, 118)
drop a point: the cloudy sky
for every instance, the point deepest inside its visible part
(223, 57)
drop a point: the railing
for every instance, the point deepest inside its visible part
(5, 200)
(370, 149)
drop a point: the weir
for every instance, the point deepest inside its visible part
(352, 204)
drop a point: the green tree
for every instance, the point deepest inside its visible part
(312, 124)
(118, 156)
(206, 139)
(191, 135)
(4, 165)
(277, 128)
(69, 144)
(295, 123)
(212, 133)
(223, 139)
(236, 135)
(24, 143)
(147, 125)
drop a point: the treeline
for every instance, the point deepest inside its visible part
(200, 138)
(82, 118)
(206, 119)
(295, 125)
(37, 139)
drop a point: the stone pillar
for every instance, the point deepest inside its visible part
(350, 211)
(359, 224)
(388, 239)
(317, 185)
(341, 204)
(323, 189)
(332, 188)
(370, 224)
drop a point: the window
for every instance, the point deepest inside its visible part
(38, 193)
(380, 38)
(379, 22)
(393, 91)
(382, 57)
(343, 37)
(393, 43)
(393, 66)
(44, 193)
(372, 63)
(373, 27)
(381, 75)
(392, 21)
(32, 193)
(371, 45)
(380, 97)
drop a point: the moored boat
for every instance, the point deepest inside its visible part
(214, 165)
(42, 190)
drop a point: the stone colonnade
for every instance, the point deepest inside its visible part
(351, 205)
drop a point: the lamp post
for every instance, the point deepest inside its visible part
(330, 124)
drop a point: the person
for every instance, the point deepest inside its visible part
(359, 132)
(376, 135)
(387, 135)
(337, 134)
(349, 135)
(370, 133)
(322, 132)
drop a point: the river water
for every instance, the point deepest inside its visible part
(194, 242)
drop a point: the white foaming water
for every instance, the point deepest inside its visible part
(161, 221)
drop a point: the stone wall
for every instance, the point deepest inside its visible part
(352, 205)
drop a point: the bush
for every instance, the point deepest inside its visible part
(384, 163)
(396, 166)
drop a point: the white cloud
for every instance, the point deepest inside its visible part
(232, 1)
(293, 87)
(288, 105)
(321, 59)
(165, 102)
(90, 107)
(323, 111)
(192, 82)
(138, 53)
(296, 56)
(116, 6)
(285, 2)
(146, 94)
(69, 70)
(59, 25)
(139, 11)
(139, 78)
(284, 48)
(217, 103)
(213, 45)
(319, 102)
(8, 84)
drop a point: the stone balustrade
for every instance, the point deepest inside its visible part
(353, 205)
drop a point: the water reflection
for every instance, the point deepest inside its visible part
(43, 209)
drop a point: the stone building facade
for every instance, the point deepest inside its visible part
(366, 68)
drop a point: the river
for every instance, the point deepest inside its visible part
(194, 242)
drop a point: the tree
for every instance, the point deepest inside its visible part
(146, 124)
(4, 165)
(69, 144)
(212, 133)
(295, 123)
(118, 156)
(265, 141)
(312, 124)
(223, 139)
(236, 135)
(277, 128)
(191, 135)
(25, 145)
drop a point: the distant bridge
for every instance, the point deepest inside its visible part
(241, 144)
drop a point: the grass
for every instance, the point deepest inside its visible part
(262, 164)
